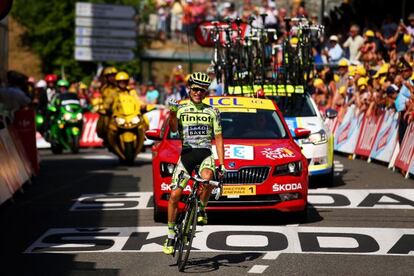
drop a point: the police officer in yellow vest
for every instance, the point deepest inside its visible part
(108, 91)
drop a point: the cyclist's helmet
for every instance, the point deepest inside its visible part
(50, 78)
(110, 71)
(200, 80)
(63, 83)
(122, 76)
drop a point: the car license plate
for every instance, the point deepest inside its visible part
(236, 190)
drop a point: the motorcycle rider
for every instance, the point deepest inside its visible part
(108, 90)
(122, 80)
(58, 98)
(51, 86)
(196, 123)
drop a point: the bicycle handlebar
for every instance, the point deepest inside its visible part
(213, 183)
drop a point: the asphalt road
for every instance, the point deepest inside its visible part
(87, 215)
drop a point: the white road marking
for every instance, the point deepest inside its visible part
(318, 198)
(271, 256)
(213, 238)
(338, 167)
(99, 157)
(258, 269)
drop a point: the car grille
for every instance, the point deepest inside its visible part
(247, 175)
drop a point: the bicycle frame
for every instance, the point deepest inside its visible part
(187, 221)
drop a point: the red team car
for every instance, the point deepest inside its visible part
(266, 169)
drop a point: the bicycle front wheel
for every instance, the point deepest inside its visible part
(188, 229)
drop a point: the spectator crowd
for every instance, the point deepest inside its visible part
(369, 66)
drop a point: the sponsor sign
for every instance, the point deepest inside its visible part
(205, 33)
(405, 155)
(277, 153)
(364, 199)
(226, 238)
(241, 152)
(319, 198)
(369, 130)
(386, 139)
(89, 137)
(238, 190)
(286, 187)
(113, 201)
(348, 131)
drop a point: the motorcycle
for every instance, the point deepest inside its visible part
(126, 130)
(66, 126)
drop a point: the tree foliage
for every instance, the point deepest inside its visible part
(50, 33)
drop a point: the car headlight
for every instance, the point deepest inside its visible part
(79, 116)
(292, 168)
(317, 138)
(167, 169)
(135, 120)
(67, 116)
(119, 121)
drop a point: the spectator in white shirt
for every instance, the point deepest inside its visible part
(354, 42)
(334, 52)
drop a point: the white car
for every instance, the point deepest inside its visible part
(300, 110)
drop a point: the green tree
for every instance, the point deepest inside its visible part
(50, 33)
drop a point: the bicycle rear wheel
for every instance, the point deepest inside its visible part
(187, 233)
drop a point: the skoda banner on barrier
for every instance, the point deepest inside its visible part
(386, 139)
(347, 133)
(405, 155)
(369, 130)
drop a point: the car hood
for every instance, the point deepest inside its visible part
(259, 152)
(242, 152)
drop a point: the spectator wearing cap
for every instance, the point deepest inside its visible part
(368, 50)
(334, 52)
(354, 42)
(342, 71)
(363, 99)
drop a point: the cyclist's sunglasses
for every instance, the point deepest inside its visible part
(197, 89)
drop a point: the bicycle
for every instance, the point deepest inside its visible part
(187, 222)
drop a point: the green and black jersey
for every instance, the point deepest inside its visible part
(197, 123)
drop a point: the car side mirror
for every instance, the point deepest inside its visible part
(153, 134)
(302, 133)
(331, 113)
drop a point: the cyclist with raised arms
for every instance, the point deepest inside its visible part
(196, 123)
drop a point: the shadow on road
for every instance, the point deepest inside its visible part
(204, 265)
(46, 204)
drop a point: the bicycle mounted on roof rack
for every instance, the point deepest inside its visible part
(247, 64)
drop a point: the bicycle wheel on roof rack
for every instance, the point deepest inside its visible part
(186, 231)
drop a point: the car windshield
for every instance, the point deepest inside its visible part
(295, 105)
(255, 124)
